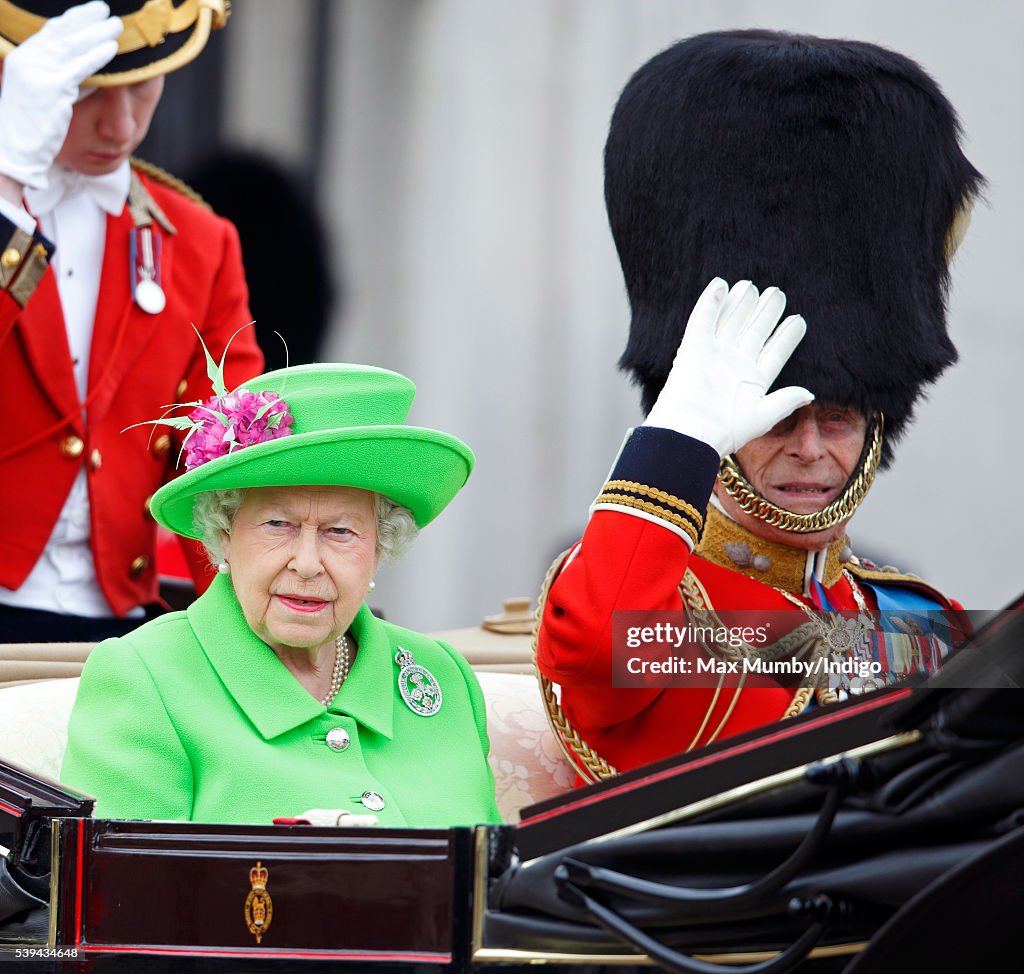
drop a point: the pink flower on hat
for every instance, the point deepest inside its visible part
(230, 422)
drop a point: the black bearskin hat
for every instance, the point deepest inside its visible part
(829, 168)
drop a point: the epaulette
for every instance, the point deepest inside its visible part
(163, 176)
(868, 571)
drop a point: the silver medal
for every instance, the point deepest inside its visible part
(148, 293)
(417, 685)
(150, 297)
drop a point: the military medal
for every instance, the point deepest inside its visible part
(145, 271)
(844, 634)
(150, 297)
(417, 685)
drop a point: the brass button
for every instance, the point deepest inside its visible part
(72, 447)
(95, 460)
(11, 257)
(145, 506)
(161, 445)
(138, 566)
(180, 391)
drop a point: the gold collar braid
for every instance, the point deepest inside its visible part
(731, 545)
(736, 485)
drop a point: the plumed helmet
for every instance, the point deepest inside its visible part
(159, 35)
(829, 168)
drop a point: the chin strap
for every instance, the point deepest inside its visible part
(736, 485)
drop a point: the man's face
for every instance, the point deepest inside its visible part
(108, 125)
(801, 465)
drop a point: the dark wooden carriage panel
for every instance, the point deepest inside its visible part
(383, 895)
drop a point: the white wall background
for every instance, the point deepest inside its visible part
(463, 188)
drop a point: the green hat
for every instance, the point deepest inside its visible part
(346, 428)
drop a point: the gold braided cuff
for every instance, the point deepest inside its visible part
(677, 503)
(686, 525)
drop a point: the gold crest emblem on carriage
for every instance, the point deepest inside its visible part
(259, 908)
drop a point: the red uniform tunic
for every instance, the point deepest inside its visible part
(139, 364)
(634, 555)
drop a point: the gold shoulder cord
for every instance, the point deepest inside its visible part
(584, 759)
(163, 176)
(695, 598)
(796, 644)
(588, 764)
(808, 638)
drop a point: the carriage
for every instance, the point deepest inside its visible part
(882, 833)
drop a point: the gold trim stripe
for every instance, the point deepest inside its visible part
(168, 179)
(212, 14)
(481, 849)
(144, 28)
(150, 26)
(495, 955)
(56, 828)
(692, 530)
(659, 495)
(744, 792)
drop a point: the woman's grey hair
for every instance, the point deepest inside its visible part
(396, 528)
(215, 510)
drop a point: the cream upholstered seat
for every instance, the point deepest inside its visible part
(38, 683)
(526, 759)
(34, 724)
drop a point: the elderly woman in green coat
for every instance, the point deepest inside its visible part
(277, 694)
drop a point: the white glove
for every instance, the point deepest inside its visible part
(40, 84)
(730, 354)
(331, 817)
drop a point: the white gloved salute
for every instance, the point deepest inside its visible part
(41, 78)
(731, 352)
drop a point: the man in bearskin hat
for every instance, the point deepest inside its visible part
(831, 171)
(106, 263)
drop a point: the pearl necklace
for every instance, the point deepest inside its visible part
(342, 662)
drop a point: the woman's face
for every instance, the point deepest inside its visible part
(301, 561)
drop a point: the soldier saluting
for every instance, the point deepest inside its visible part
(833, 171)
(105, 264)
